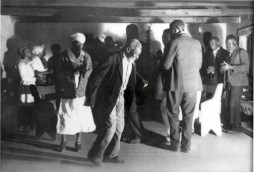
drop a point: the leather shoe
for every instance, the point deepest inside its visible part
(233, 131)
(78, 146)
(115, 159)
(185, 150)
(95, 161)
(63, 146)
(174, 148)
(135, 140)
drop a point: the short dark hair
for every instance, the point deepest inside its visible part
(214, 38)
(167, 31)
(56, 47)
(21, 51)
(231, 37)
(132, 31)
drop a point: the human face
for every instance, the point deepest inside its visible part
(214, 44)
(77, 46)
(166, 37)
(231, 44)
(134, 54)
(27, 54)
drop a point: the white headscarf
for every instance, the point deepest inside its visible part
(80, 37)
(37, 49)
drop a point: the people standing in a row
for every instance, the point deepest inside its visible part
(105, 93)
(184, 59)
(73, 71)
(236, 69)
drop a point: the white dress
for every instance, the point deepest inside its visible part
(73, 116)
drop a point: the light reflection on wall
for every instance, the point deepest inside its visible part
(156, 34)
(7, 31)
(116, 30)
(219, 30)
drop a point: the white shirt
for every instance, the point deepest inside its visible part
(76, 62)
(215, 51)
(26, 72)
(127, 67)
(37, 64)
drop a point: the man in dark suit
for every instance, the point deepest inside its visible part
(184, 59)
(105, 92)
(211, 67)
(236, 69)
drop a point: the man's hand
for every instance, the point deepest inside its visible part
(225, 66)
(145, 83)
(210, 69)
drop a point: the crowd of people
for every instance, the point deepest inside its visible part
(102, 94)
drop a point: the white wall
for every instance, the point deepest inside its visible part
(30, 34)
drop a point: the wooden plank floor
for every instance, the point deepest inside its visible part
(209, 154)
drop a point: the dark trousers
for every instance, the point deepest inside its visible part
(25, 116)
(187, 102)
(133, 126)
(234, 99)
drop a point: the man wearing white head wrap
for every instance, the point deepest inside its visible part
(73, 71)
(80, 37)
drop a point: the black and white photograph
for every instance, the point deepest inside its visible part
(127, 85)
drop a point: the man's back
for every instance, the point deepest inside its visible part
(185, 54)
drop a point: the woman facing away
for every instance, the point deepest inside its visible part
(72, 73)
(27, 89)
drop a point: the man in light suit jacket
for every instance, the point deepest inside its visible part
(105, 93)
(236, 69)
(185, 59)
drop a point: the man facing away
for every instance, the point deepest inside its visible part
(184, 59)
(105, 92)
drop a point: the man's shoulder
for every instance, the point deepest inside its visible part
(115, 55)
(64, 53)
(224, 51)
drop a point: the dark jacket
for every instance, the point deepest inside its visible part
(210, 60)
(65, 76)
(105, 83)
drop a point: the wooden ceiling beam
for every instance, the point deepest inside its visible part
(97, 11)
(125, 3)
(28, 11)
(196, 12)
(101, 19)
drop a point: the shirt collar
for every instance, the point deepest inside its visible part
(72, 56)
(215, 51)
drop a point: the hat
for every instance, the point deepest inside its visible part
(80, 37)
(38, 49)
(179, 24)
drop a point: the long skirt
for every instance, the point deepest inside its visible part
(74, 117)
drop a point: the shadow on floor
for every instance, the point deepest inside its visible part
(33, 155)
(155, 140)
(31, 140)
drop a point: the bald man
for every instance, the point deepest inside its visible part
(105, 92)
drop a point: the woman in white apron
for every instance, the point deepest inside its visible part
(73, 71)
